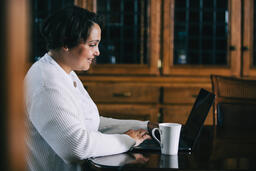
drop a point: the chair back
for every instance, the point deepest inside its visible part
(234, 106)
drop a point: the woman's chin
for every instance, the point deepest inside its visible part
(83, 68)
(86, 68)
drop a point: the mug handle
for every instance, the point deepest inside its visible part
(154, 136)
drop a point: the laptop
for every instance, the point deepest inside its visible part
(191, 130)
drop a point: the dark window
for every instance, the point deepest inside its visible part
(124, 37)
(201, 32)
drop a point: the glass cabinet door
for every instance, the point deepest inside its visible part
(249, 37)
(40, 10)
(130, 42)
(202, 37)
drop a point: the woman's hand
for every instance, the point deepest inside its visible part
(138, 135)
(151, 126)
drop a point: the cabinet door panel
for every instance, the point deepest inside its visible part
(249, 30)
(120, 93)
(173, 95)
(180, 113)
(176, 113)
(126, 111)
(180, 95)
(130, 41)
(202, 42)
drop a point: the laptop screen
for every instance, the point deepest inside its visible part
(198, 114)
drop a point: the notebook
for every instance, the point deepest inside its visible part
(192, 128)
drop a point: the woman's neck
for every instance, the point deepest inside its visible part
(59, 58)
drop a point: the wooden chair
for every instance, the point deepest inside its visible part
(234, 106)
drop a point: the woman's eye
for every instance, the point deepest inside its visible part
(92, 45)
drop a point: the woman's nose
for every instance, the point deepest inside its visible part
(97, 52)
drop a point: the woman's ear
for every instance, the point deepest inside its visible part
(65, 48)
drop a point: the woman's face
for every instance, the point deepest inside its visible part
(81, 56)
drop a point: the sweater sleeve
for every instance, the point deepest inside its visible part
(57, 121)
(118, 126)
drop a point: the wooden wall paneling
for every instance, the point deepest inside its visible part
(14, 55)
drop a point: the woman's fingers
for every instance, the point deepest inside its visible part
(142, 132)
(138, 135)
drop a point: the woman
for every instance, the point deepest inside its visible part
(63, 122)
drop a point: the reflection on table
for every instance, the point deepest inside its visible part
(211, 153)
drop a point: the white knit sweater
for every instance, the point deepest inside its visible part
(64, 126)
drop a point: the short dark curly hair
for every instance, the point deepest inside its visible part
(69, 27)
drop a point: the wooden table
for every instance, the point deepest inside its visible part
(210, 153)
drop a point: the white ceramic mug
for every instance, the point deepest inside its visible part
(170, 136)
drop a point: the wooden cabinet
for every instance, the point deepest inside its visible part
(125, 100)
(123, 93)
(129, 111)
(180, 95)
(248, 42)
(176, 113)
(157, 54)
(178, 102)
(187, 42)
(202, 38)
(145, 98)
(223, 33)
(184, 37)
(131, 37)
